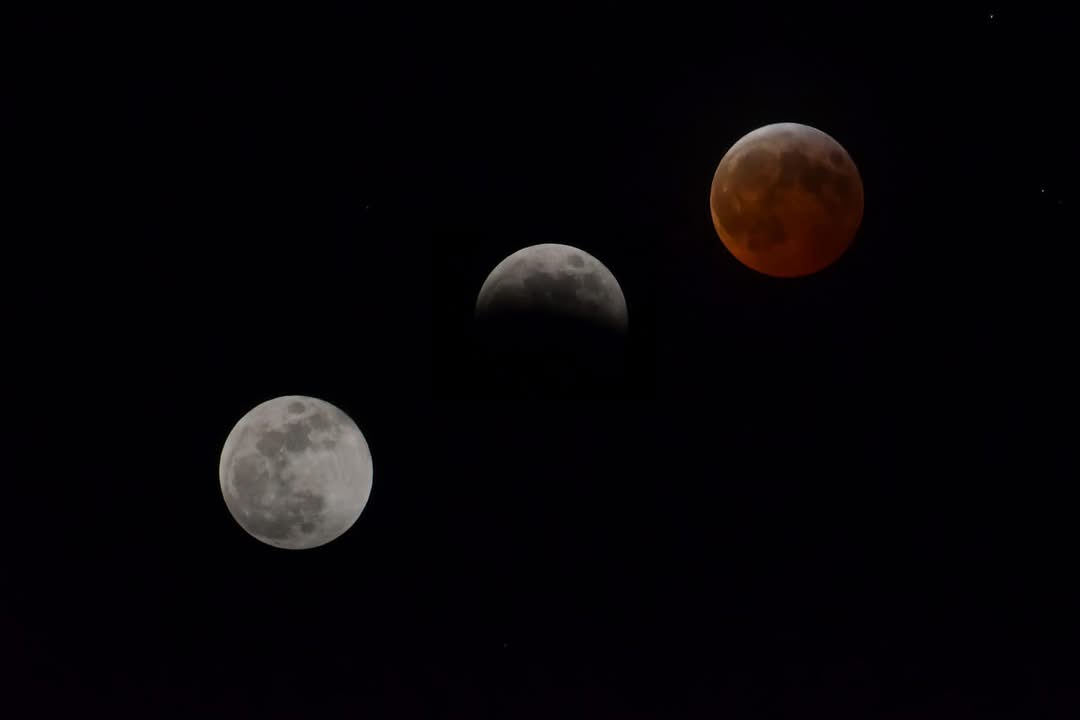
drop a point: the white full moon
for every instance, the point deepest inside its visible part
(296, 472)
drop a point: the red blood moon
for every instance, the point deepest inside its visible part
(786, 200)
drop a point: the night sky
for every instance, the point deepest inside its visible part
(848, 495)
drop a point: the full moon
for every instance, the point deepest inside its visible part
(296, 472)
(786, 200)
(557, 281)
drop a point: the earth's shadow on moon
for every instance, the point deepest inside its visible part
(539, 354)
(558, 414)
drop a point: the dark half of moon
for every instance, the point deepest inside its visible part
(549, 351)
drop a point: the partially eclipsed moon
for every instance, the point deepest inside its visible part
(786, 200)
(295, 472)
(555, 280)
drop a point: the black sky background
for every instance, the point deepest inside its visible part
(848, 495)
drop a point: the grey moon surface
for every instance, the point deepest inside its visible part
(296, 472)
(555, 278)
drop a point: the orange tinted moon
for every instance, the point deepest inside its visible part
(786, 200)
